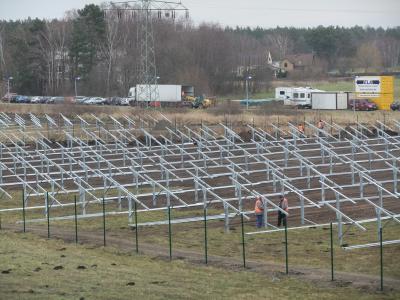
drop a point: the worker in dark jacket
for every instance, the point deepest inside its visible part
(284, 205)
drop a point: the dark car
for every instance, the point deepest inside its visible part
(395, 105)
(22, 99)
(362, 104)
(13, 98)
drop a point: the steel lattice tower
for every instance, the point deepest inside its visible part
(146, 11)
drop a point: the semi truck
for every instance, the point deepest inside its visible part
(167, 93)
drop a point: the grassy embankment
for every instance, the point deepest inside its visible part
(34, 268)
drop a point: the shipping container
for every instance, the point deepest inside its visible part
(329, 100)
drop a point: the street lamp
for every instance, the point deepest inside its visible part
(8, 87)
(76, 90)
(247, 91)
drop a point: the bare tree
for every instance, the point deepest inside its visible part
(390, 50)
(281, 43)
(53, 47)
(368, 56)
(2, 60)
(110, 47)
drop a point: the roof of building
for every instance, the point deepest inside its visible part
(305, 59)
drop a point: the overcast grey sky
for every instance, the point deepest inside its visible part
(264, 13)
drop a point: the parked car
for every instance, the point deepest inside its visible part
(95, 100)
(112, 101)
(395, 105)
(126, 101)
(22, 99)
(36, 99)
(79, 99)
(8, 96)
(362, 104)
(13, 99)
(55, 100)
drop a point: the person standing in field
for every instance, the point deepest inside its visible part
(284, 205)
(301, 129)
(259, 211)
(321, 124)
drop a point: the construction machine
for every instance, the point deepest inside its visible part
(200, 102)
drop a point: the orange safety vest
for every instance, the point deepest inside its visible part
(259, 209)
(301, 128)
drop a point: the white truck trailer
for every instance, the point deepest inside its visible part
(329, 100)
(166, 92)
(295, 96)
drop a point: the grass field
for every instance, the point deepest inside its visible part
(35, 268)
(309, 248)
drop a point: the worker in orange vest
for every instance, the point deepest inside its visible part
(321, 124)
(301, 129)
(284, 205)
(259, 211)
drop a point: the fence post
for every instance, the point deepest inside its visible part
(76, 221)
(104, 222)
(23, 209)
(205, 236)
(332, 275)
(381, 254)
(136, 227)
(169, 232)
(48, 214)
(243, 242)
(286, 250)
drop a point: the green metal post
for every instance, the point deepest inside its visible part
(104, 222)
(381, 253)
(0, 221)
(23, 209)
(286, 249)
(76, 221)
(205, 236)
(136, 233)
(48, 215)
(332, 275)
(243, 242)
(169, 232)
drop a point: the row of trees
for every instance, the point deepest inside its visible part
(45, 57)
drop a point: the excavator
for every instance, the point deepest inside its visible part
(199, 101)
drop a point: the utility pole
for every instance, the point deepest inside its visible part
(76, 90)
(8, 87)
(145, 11)
(247, 91)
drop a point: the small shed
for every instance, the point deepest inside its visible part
(329, 100)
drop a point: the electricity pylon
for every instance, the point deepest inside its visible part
(145, 11)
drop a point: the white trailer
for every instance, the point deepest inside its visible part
(284, 93)
(295, 96)
(166, 92)
(329, 100)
